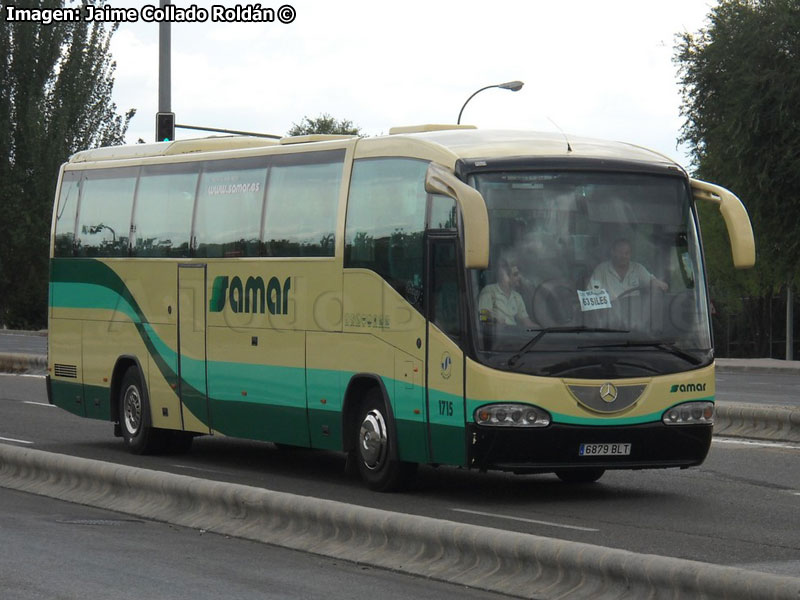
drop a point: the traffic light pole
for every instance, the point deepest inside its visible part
(163, 129)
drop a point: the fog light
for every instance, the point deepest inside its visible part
(690, 413)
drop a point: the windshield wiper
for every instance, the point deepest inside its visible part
(535, 339)
(665, 346)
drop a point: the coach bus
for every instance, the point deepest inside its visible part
(492, 300)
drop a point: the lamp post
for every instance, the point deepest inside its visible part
(514, 86)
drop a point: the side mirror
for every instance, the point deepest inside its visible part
(740, 231)
(474, 216)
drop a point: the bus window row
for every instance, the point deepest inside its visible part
(265, 206)
(283, 206)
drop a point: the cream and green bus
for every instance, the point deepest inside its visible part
(492, 300)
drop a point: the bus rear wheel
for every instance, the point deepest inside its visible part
(587, 475)
(134, 417)
(375, 445)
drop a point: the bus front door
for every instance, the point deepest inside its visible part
(445, 360)
(192, 375)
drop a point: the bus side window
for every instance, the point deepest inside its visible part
(66, 213)
(104, 213)
(445, 307)
(302, 204)
(163, 211)
(386, 222)
(444, 213)
(230, 201)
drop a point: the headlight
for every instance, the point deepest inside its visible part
(690, 413)
(511, 415)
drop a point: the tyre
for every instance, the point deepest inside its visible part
(138, 435)
(580, 475)
(375, 445)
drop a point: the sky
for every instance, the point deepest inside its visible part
(590, 68)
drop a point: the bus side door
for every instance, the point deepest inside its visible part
(445, 359)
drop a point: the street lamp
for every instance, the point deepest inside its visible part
(514, 86)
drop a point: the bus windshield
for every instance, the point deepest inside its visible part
(591, 274)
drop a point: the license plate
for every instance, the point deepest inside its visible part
(604, 449)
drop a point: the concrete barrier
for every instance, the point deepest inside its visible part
(754, 421)
(517, 564)
(758, 365)
(15, 362)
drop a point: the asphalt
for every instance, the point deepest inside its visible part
(508, 562)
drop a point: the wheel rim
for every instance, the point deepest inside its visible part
(132, 409)
(373, 442)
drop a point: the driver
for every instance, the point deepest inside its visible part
(502, 301)
(621, 274)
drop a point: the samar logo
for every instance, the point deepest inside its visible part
(251, 297)
(447, 365)
(687, 387)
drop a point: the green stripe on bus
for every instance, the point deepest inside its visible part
(68, 395)
(274, 408)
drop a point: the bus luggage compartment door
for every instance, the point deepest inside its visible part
(192, 367)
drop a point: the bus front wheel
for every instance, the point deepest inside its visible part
(375, 445)
(134, 417)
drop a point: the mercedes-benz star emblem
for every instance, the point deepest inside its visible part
(608, 392)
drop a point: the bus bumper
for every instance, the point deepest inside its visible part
(557, 447)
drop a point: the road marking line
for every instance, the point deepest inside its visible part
(38, 403)
(5, 439)
(197, 469)
(548, 523)
(759, 443)
(23, 375)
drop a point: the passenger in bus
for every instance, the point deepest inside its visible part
(621, 275)
(500, 302)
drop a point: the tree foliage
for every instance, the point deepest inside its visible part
(740, 83)
(326, 124)
(55, 99)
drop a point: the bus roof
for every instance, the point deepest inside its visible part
(445, 144)
(470, 143)
(205, 144)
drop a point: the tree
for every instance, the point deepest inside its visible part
(325, 123)
(55, 99)
(740, 82)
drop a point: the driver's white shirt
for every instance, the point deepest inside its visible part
(506, 309)
(605, 277)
